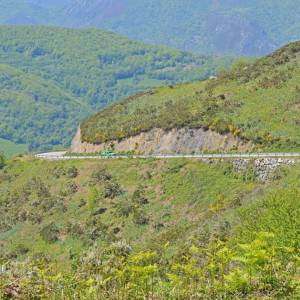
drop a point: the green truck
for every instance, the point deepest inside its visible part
(108, 154)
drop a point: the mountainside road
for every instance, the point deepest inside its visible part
(63, 156)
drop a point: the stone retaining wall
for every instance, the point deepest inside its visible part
(264, 168)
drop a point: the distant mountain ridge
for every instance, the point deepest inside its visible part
(240, 27)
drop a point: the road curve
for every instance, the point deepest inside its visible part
(63, 156)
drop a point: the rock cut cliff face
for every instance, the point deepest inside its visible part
(158, 141)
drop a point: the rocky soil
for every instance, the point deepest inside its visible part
(264, 168)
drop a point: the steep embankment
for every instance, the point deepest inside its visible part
(160, 141)
(253, 104)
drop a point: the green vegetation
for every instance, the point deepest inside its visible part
(155, 229)
(51, 78)
(11, 149)
(35, 111)
(257, 102)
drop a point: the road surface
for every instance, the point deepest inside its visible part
(63, 156)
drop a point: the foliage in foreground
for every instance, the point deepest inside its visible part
(256, 269)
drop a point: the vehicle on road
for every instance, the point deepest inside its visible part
(107, 154)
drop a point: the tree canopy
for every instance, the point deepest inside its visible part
(53, 78)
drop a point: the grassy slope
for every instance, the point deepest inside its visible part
(183, 196)
(10, 149)
(90, 66)
(258, 102)
(176, 200)
(189, 203)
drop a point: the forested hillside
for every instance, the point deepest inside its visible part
(167, 229)
(35, 111)
(243, 27)
(52, 78)
(257, 102)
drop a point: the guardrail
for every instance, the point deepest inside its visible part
(56, 156)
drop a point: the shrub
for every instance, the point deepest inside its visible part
(74, 229)
(99, 211)
(139, 197)
(38, 186)
(124, 207)
(50, 233)
(112, 190)
(140, 217)
(22, 249)
(69, 189)
(98, 230)
(58, 171)
(101, 175)
(72, 172)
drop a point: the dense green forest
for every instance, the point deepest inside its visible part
(240, 27)
(147, 229)
(35, 111)
(258, 102)
(53, 78)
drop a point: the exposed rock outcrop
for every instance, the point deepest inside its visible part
(159, 141)
(264, 168)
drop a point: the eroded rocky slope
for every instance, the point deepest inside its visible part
(160, 141)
